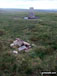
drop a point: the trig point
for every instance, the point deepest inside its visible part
(31, 14)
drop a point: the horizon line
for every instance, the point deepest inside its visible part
(28, 8)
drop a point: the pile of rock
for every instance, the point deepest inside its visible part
(20, 45)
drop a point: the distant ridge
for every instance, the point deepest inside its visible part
(46, 10)
(20, 10)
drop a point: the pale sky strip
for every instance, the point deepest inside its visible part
(37, 4)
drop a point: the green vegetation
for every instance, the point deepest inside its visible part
(42, 32)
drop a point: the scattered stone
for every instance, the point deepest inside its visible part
(25, 18)
(15, 52)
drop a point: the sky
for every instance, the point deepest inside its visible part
(26, 4)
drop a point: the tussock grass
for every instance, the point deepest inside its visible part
(42, 32)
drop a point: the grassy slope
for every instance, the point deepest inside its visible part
(42, 32)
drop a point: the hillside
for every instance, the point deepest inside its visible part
(42, 32)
